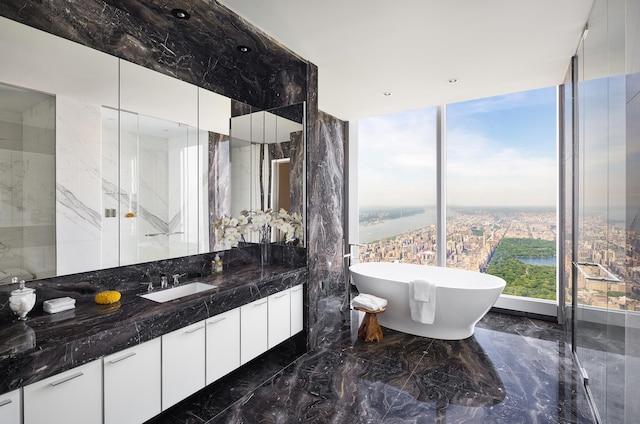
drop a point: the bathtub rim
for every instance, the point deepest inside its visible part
(441, 276)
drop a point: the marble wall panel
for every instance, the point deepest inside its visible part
(325, 210)
(110, 194)
(78, 185)
(201, 50)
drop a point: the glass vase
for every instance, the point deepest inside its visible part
(264, 253)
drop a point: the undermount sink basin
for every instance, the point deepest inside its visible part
(177, 292)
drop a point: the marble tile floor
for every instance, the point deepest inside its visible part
(512, 370)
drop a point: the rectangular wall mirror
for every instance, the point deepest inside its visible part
(106, 163)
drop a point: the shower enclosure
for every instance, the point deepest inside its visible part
(602, 197)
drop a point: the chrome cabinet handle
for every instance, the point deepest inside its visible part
(128, 355)
(278, 296)
(5, 402)
(193, 330)
(71, 377)
(217, 321)
(261, 303)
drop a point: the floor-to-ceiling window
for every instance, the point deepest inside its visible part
(501, 189)
(397, 187)
(501, 178)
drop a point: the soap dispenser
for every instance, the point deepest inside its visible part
(22, 300)
(217, 264)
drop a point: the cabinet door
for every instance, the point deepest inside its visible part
(10, 407)
(279, 317)
(132, 384)
(223, 344)
(183, 363)
(297, 309)
(253, 330)
(74, 396)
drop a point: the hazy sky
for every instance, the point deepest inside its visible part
(501, 151)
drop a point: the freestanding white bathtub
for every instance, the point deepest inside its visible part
(462, 297)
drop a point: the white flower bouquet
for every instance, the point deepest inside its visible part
(232, 231)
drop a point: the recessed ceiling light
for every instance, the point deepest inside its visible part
(243, 49)
(387, 93)
(180, 14)
(453, 80)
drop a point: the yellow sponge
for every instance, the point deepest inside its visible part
(107, 297)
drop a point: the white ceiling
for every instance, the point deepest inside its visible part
(412, 48)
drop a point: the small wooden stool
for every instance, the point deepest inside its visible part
(370, 330)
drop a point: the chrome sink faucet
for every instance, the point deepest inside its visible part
(164, 282)
(147, 273)
(176, 279)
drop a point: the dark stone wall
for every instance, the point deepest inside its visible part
(201, 50)
(325, 217)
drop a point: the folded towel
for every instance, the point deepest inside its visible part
(61, 301)
(422, 290)
(422, 301)
(368, 302)
(60, 304)
(55, 310)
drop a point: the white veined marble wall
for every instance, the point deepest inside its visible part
(110, 194)
(78, 186)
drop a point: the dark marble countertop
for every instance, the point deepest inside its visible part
(47, 344)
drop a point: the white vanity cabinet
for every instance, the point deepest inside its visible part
(10, 407)
(132, 384)
(223, 344)
(253, 329)
(73, 396)
(279, 317)
(297, 309)
(183, 363)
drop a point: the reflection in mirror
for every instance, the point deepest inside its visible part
(27, 184)
(124, 193)
(267, 162)
(158, 176)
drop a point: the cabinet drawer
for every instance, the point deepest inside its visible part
(253, 330)
(74, 396)
(10, 407)
(279, 317)
(183, 363)
(132, 383)
(223, 344)
(297, 309)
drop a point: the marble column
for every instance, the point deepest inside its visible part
(325, 217)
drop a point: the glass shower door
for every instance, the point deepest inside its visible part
(600, 261)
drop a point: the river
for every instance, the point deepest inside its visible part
(394, 227)
(551, 261)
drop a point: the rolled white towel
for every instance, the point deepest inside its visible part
(369, 302)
